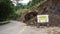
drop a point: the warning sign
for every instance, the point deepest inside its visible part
(42, 18)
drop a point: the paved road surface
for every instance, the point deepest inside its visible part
(16, 27)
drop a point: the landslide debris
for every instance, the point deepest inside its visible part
(50, 7)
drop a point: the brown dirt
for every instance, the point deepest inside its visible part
(50, 7)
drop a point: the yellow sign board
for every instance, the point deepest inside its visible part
(42, 18)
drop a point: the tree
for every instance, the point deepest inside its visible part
(33, 3)
(6, 9)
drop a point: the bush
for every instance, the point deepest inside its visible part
(6, 9)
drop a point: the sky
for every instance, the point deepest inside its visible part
(23, 2)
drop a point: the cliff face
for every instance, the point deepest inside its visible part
(52, 8)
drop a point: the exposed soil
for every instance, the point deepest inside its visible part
(50, 7)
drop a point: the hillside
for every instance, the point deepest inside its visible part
(50, 7)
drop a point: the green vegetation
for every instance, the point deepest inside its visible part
(9, 11)
(34, 3)
(6, 10)
(31, 4)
